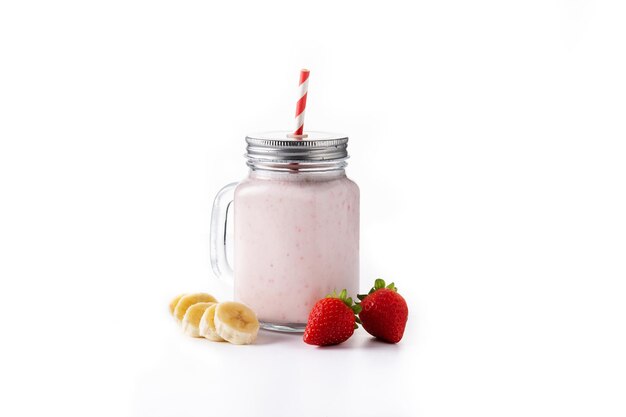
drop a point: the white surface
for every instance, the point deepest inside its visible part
(488, 139)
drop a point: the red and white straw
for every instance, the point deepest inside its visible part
(301, 105)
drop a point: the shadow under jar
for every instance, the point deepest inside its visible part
(296, 227)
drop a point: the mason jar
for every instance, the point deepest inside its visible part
(296, 227)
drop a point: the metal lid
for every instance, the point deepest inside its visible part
(279, 147)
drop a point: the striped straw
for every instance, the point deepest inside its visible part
(301, 105)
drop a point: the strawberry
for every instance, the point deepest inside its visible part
(384, 312)
(332, 320)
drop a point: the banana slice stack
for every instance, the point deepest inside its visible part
(201, 315)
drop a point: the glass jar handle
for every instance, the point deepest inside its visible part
(222, 206)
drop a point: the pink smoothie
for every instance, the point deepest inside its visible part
(296, 240)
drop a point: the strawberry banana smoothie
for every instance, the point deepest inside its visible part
(296, 240)
(296, 222)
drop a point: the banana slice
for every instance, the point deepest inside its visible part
(188, 300)
(191, 321)
(175, 301)
(236, 323)
(207, 325)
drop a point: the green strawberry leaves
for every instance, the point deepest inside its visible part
(378, 285)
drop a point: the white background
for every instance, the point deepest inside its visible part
(488, 139)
